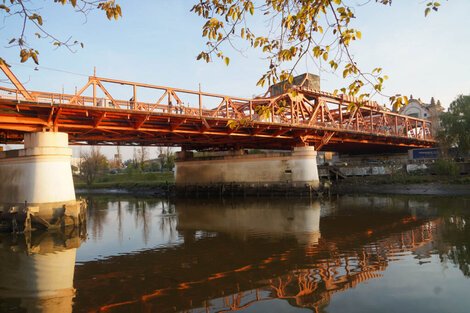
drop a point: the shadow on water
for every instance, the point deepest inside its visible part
(150, 255)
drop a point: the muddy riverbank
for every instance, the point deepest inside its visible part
(348, 186)
(401, 189)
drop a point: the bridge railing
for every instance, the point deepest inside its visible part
(336, 113)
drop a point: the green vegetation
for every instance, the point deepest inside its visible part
(446, 167)
(93, 163)
(123, 185)
(137, 177)
(130, 180)
(455, 123)
(462, 180)
(95, 169)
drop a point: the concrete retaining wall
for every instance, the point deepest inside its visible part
(297, 169)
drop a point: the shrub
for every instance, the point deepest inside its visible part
(463, 180)
(446, 167)
(103, 179)
(151, 176)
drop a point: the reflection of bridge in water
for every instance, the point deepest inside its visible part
(222, 266)
(301, 253)
(314, 287)
(277, 250)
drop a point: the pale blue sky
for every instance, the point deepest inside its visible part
(157, 42)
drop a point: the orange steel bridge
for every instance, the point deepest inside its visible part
(200, 120)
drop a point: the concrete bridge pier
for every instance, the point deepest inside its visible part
(295, 170)
(36, 186)
(304, 161)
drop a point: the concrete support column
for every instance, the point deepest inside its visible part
(38, 178)
(304, 166)
(39, 173)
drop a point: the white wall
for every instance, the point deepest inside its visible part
(40, 173)
(415, 108)
(298, 169)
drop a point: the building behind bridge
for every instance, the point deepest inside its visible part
(428, 111)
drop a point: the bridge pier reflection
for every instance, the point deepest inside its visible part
(37, 186)
(242, 218)
(37, 275)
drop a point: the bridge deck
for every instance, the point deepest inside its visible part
(327, 121)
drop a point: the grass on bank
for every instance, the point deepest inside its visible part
(127, 180)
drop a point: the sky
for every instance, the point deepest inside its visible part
(157, 42)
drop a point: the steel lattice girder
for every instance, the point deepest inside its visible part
(324, 120)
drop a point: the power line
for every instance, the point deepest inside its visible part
(50, 69)
(6, 82)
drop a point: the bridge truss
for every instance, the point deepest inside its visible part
(212, 121)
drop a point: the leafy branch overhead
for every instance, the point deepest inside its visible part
(318, 30)
(32, 23)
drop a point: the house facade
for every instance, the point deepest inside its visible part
(426, 111)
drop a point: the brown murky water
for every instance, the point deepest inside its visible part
(347, 254)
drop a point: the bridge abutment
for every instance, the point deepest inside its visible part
(296, 170)
(37, 183)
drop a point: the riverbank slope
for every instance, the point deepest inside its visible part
(162, 185)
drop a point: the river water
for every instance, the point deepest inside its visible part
(342, 254)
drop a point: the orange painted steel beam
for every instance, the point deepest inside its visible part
(19, 86)
(116, 127)
(312, 117)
